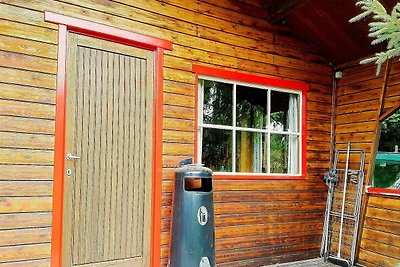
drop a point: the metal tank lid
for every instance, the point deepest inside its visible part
(189, 168)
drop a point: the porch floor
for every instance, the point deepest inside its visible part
(306, 263)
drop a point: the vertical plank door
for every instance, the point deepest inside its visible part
(109, 140)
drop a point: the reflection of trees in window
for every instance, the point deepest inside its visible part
(248, 129)
(217, 149)
(217, 107)
(279, 122)
(279, 153)
(251, 112)
(390, 133)
(279, 110)
(387, 163)
(217, 110)
(251, 107)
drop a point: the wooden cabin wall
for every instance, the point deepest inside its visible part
(257, 222)
(358, 95)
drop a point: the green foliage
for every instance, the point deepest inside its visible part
(385, 176)
(390, 133)
(279, 153)
(217, 149)
(217, 103)
(385, 27)
(217, 144)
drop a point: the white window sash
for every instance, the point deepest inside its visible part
(293, 116)
(293, 132)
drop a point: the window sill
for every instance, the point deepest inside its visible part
(255, 176)
(383, 191)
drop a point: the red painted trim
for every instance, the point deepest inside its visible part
(383, 191)
(304, 133)
(256, 79)
(249, 78)
(115, 35)
(107, 32)
(157, 157)
(59, 150)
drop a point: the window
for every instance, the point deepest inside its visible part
(387, 162)
(249, 129)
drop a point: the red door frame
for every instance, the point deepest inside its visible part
(69, 24)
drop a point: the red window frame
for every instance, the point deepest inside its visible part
(96, 30)
(259, 80)
(383, 191)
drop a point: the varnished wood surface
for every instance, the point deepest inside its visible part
(319, 20)
(358, 109)
(211, 33)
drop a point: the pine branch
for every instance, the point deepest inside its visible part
(385, 27)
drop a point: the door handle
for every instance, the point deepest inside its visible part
(71, 157)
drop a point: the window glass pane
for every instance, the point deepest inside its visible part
(387, 164)
(251, 107)
(251, 111)
(217, 107)
(285, 113)
(251, 155)
(217, 149)
(279, 153)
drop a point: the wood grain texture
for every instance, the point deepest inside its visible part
(26, 172)
(23, 140)
(25, 62)
(28, 78)
(26, 156)
(30, 263)
(119, 135)
(24, 188)
(30, 110)
(25, 236)
(25, 204)
(222, 34)
(26, 93)
(25, 220)
(26, 125)
(14, 253)
(28, 47)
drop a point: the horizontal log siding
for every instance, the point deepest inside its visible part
(357, 104)
(258, 222)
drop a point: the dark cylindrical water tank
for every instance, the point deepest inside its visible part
(193, 241)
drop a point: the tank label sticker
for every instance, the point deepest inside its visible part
(202, 215)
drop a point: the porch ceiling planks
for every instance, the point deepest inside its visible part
(281, 9)
(325, 24)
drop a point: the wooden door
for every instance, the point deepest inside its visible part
(107, 194)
